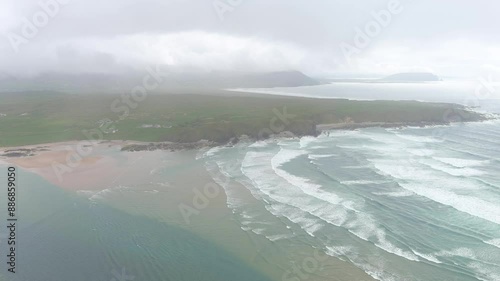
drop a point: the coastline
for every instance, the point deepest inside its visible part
(33, 150)
(111, 170)
(61, 164)
(119, 178)
(361, 125)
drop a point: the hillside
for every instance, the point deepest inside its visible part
(114, 83)
(34, 118)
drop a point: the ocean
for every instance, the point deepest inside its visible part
(394, 204)
(400, 204)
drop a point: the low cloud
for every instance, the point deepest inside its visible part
(455, 38)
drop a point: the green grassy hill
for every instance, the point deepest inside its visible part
(34, 118)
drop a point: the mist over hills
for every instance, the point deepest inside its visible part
(94, 82)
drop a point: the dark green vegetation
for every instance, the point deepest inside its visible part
(34, 118)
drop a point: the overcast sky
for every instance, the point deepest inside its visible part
(448, 37)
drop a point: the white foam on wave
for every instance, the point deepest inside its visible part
(467, 204)
(281, 190)
(349, 147)
(318, 147)
(440, 189)
(216, 170)
(154, 191)
(213, 151)
(326, 206)
(481, 267)
(248, 218)
(200, 154)
(458, 252)
(356, 167)
(306, 141)
(320, 156)
(419, 139)
(494, 242)
(428, 257)
(286, 155)
(401, 169)
(457, 172)
(339, 251)
(259, 144)
(401, 193)
(284, 194)
(483, 273)
(386, 138)
(297, 216)
(416, 170)
(365, 227)
(361, 224)
(277, 237)
(363, 182)
(373, 267)
(462, 163)
(341, 133)
(258, 230)
(421, 152)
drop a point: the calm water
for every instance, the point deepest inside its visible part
(462, 92)
(65, 236)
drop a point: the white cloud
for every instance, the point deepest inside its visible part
(450, 37)
(195, 50)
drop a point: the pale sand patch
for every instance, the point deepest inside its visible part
(47, 158)
(99, 171)
(60, 164)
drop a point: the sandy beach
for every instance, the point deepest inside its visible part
(62, 165)
(107, 170)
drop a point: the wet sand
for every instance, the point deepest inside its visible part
(62, 165)
(107, 169)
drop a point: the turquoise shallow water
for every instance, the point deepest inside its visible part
(62, 236)
(400, 204)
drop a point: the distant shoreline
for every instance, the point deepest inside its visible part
(362, 125)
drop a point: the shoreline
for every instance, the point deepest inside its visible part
(24, 151)
(182, 120)
(362, 125)
(130, 173)
(61, 164)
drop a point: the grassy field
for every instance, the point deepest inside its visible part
(34, 118)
